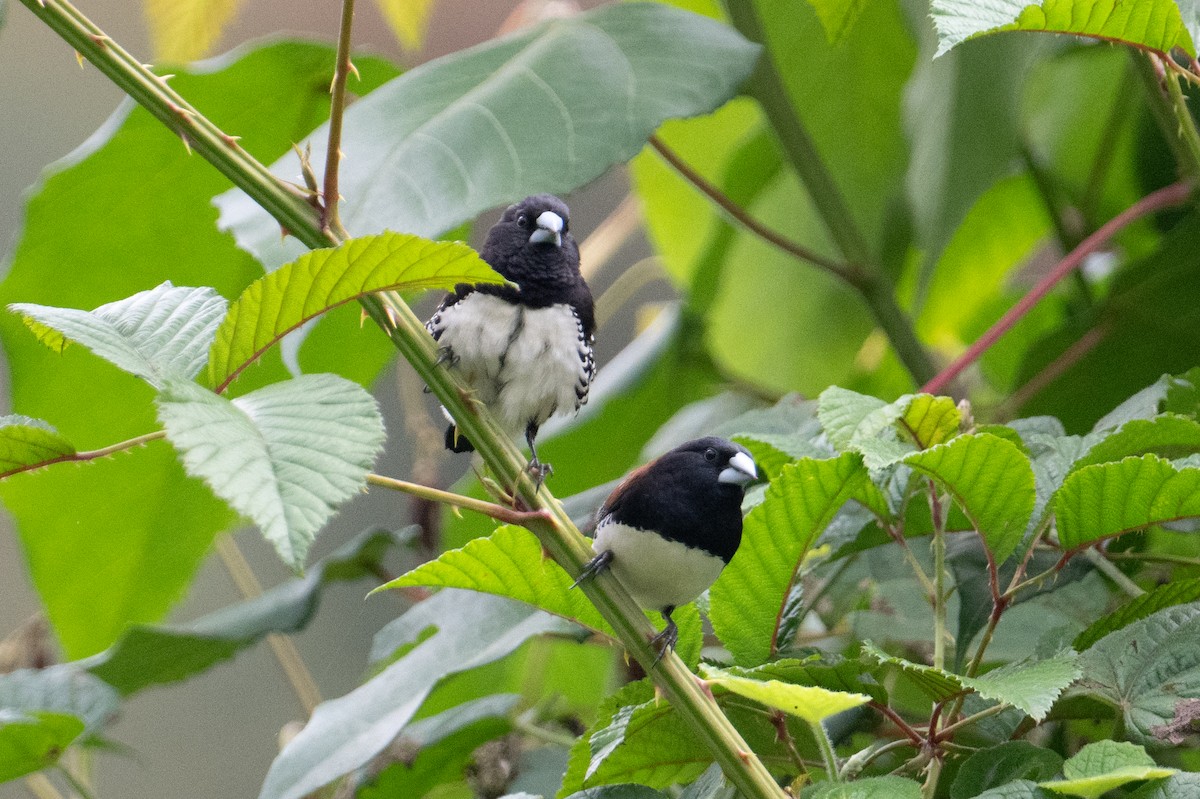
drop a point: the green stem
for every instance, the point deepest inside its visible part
(766, 85)
(497, 512)
(89, 455)
(929, 788)
(333, 156)
(555, 529)
(1110, 570)
(1150, 557)
(951, 729)
(828, 755)
(939, 578)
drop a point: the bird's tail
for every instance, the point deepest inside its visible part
(456, 442)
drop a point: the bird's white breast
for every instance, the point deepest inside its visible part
(524, 363)
(658, 572)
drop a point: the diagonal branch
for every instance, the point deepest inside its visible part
(556, 532)
(333, 157)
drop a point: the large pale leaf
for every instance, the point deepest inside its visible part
(1102, 766)
(1150, 24)
(1183, 785)
(745, 601)
(147, 656)
(158, 335)
(548, 109)
(285, 456)
(324, 279)
(343, 734)
(1109, 499)
(990, 479)
(1147, 668)
(101, 561)
(32, 741)
(809, 702)
(184, 30)
(28, 443)
(510, 563)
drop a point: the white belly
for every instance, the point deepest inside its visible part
(659, 573)
(523, 363)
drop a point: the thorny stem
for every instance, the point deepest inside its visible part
(1166, 197)
(895, 718)
(929, 788)
(939, 577)
(828, 755)
(950, 729)
(1150, 557)
(330, 221)
(90, 455)
(557, 533)
(497, 512)
(1109, 570)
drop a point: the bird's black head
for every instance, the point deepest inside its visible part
(717, 461)
(532, 246)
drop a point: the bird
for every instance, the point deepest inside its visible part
(526, 351)
(669, 528)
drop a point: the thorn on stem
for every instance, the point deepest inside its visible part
(231, 141)
(186, 144)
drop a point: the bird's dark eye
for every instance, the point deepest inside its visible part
(523, 220)
(710, 454)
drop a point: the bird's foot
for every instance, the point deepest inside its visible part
(539, 472)
(594, 567)
(445, 355)
(665, 640)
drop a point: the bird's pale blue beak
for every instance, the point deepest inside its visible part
(549, 229)
(740, 470)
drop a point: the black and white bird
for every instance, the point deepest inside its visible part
(672, 525)
(526, 352)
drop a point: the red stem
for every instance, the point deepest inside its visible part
(1165, 197)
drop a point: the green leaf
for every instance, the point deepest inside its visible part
(29, 443)
(1183, 393)
(1030, 686)
(837, 16)
(990, 479)
(842, 412)
(865, 788)
(510, 563)
(1169, 436)
(548, 109)
(823, 671)
(286, 455)
(1147, 668)
(159, 335)
(1176, 592)
(1102, 766)
(654, 746)
(1109, 499)
(102, 561)
(931, 420)
(808, 702)
(185, 30)
(1177, 786)
(1153, 24)
(323, 279)
(746, 599)
(343, 734)
(147, 656)
(997, 765)
(59, 689)
(30, 742)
